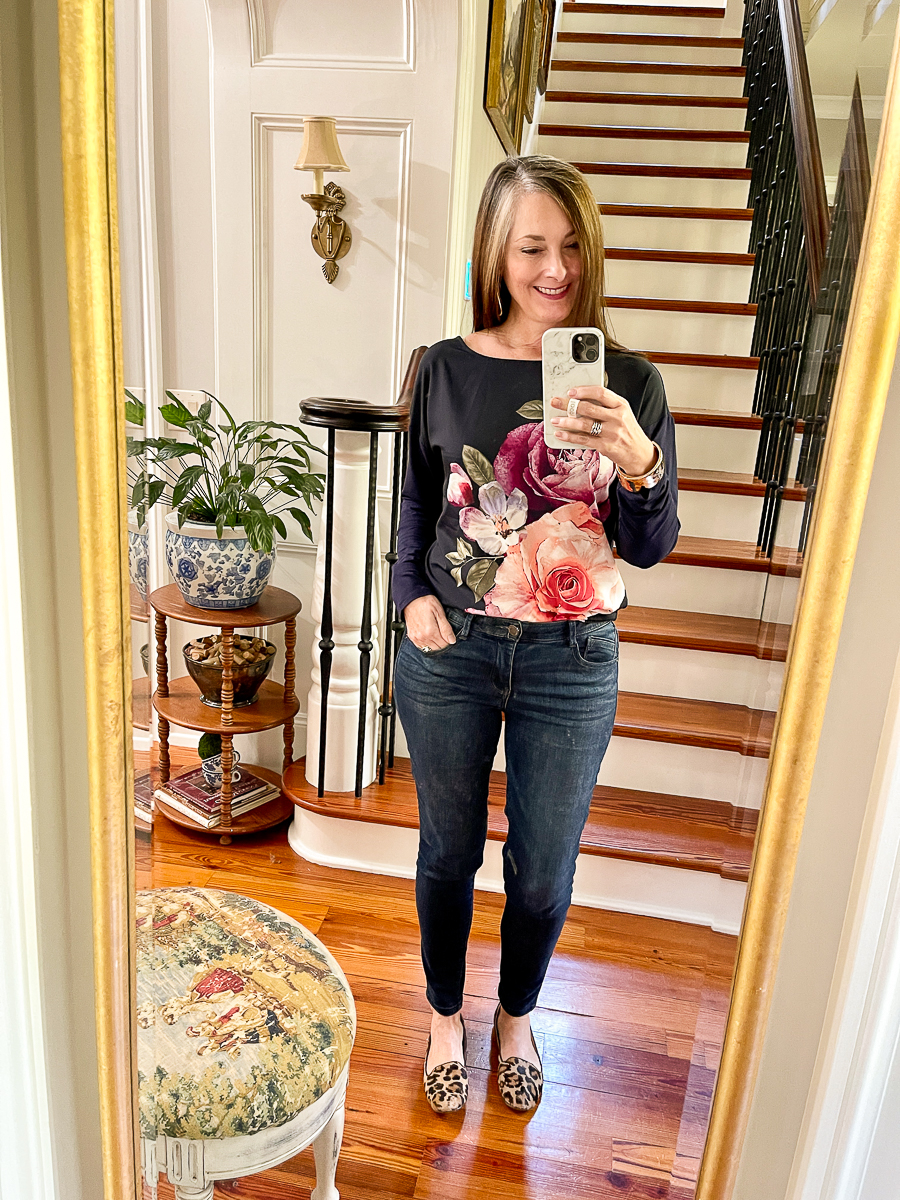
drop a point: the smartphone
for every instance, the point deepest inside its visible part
(572, 357)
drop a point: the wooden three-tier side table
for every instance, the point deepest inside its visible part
(178, 702)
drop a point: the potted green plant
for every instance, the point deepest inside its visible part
(227, 485)
(138, 556)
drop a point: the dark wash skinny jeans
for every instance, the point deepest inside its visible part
(556, 683)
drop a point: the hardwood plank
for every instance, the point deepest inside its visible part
(716, 418)
(704, 307)
(659, 99)
(662, 170)
(650, 39)
(645, 133)
(611, 66)
(735, 556)
(732, 483)
(704, 723)
(732, 362)
(640, 254)
(643, 10)
(677, 211)
(704, 631)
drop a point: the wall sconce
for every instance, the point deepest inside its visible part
(320, 152)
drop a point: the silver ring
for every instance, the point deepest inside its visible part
(572, 407)
(596, 429)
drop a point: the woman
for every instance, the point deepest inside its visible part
(509, 589)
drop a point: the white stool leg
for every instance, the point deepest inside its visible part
(326, 1149)
(191, 1193)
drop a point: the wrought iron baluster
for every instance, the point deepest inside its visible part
(326, 644)
(365, 628)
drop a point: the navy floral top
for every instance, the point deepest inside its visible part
(494, 521)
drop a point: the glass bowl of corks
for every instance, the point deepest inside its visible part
(253, 658)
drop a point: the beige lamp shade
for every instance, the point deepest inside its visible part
(320, 150)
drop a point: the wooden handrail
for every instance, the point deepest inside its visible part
(361, 416)
(813, 200)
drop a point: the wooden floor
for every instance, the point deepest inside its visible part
(629, 1026)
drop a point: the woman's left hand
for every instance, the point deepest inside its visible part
(621, 439)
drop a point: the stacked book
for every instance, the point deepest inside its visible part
(192, 796)
(143, 799)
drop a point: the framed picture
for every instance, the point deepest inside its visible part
(549, 20)
(533, 59)
(510, 43)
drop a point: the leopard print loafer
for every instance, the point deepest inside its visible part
(521, 1083)
(447, 1084)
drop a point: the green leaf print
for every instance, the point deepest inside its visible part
(532, 411)
(457, 575)
(481, 576)
(479, 468)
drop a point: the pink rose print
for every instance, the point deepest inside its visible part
(550, 478)
(495, 527)
(459, 487)
(562, 570)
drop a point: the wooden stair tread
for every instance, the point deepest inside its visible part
(706, 307)
(708, 257)
(703, 631)
(732, 483)
(708, 724)
(673, 210)
(650, 39)
(662, 170)
(645, 133)
(716, 418)
(612, 67)
(642, 10)
(730, 361)
(660, 99)
(677, 831)
(734, 556)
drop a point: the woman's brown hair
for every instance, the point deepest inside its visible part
(567, 186)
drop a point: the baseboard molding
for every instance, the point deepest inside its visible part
(669, 893)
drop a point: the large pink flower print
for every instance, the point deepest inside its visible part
(562, 570)
(550, 478)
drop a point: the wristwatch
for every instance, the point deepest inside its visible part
(634, 483)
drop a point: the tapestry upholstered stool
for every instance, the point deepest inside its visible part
(245, 1026)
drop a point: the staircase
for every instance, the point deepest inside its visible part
(647, 101)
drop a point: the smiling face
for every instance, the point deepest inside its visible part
(542, 268)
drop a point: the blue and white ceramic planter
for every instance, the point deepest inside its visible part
(211, 572)
(138, 556)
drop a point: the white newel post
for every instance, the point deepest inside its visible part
(348, 571)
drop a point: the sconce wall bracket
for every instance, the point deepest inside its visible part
(330, 235)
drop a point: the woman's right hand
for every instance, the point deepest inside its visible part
(427, 624)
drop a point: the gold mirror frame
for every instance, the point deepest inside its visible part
(91, 229)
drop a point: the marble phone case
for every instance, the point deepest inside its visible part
(560, 372)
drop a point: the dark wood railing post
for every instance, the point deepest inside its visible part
(361, 417)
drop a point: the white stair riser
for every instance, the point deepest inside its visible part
(780, 602)
(622, 148)
(698, 589)
(680, 116)
(670, 893)
(729, 449)
(660, 189)
(721, 388)
(736, 518)
(677, 281)
(684, 771)
(677, 233)
(639, 23)
(645, 81)
(699, 675)
(637, 52)
(683, 332)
